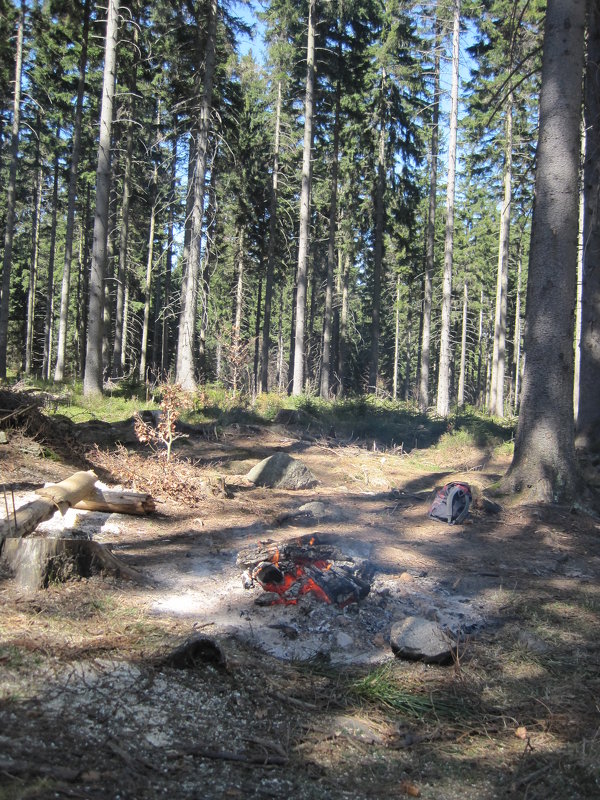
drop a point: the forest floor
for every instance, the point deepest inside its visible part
(303, 701)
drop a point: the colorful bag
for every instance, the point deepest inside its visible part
(451, 503)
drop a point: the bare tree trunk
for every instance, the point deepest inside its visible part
(396, 339)
(264, 373)
(92, 381)
(59, 370)
(463, 350)
(517, 345)
(423, 399)
(49, 317)
(239, 298)
(148, 284)
(378, 248)
(343, 346)
(167, 313)
(255, 385)
(185, 369)
(443, 388)
(117, 357)
(588, 419)
(544, 459)
(280, 359)
(333, 212)
(33, 268)
(499, 350)
(304, 236)
(10, 197)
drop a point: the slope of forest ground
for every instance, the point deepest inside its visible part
(90, 709)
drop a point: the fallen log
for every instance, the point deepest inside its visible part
(119, 502)
(57, 496)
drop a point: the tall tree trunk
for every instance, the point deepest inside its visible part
(588, 418)
(304, 235)
(207, 258)
(266, 334)
(185, 369)
(443, 388)
(280, 354)
(463, 349)
(11, 196)
(396, 339)
(517, 338)
(480, 350)
(117, 356)
(544, 458)
(239, 300)
(92, 380)
(326, 360)
(257, 338)
(378, 248)
(49, 317)
(61, 345)
(423, 398)
(33, 267)
(167, 314)
(148, 284)
(343, 345)
(499, 350)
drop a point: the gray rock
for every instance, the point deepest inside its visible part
(343, 639)
(420, 639)
(321, 511)
(281, 471)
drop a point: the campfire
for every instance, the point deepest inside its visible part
(310, 565)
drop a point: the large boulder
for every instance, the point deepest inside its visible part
(281, 471)
(420, 639)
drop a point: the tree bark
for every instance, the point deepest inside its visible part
(9, 229)
(423, 399)
(148, 284)
(443, 388)
(266, 334)
(33, 268)
(49, 316)
(463, 349)
(544, 460)
(396, 339)
(378, 247)
(304, 235)
(92, 381)
(588, 419)
(499, 349)
(333, 212)
(185, 367)
(61, 346)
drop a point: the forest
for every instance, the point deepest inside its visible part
(307, 198)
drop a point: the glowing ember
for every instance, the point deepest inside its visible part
(301, 567)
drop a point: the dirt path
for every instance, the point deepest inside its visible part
(311, 703)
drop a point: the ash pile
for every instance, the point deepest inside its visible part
(320, 597)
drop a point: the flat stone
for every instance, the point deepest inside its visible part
(281, 471)
(343, 639)
(420, 639)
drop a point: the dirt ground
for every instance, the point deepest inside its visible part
(90, 706)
